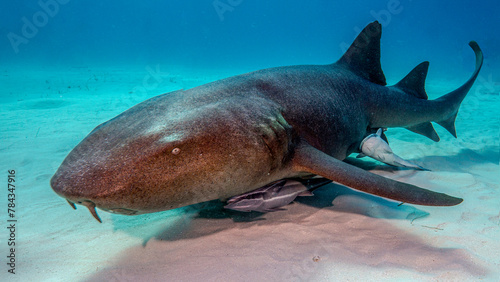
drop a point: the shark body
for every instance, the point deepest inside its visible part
(235, 135)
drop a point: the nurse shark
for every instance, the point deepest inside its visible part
(236, 135)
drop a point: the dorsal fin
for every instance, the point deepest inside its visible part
(363, 56)
(414, 82)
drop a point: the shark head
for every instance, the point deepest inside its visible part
(165, 153)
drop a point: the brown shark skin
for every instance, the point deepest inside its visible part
(145, 175)
(235, 135)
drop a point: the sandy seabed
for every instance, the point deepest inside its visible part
(337, 235)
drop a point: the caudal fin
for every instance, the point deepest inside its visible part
(455, 98)
(414, 84)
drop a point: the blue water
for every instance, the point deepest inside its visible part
(57, 82)
(244, 35)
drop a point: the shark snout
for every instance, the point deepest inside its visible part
(75, 193)
(73, 196)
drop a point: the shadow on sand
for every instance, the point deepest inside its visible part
(338, 227)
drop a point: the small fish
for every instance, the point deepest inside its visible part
(275, 195)
(376, 147)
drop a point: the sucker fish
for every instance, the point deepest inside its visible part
(276, 195)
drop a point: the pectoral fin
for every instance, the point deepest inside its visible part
(312, 160)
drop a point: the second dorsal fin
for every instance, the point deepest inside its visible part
(414, 82)
(363, 56)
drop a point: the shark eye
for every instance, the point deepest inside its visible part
(176, 151)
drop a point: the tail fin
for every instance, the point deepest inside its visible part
(414, 84)
(456, 97)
